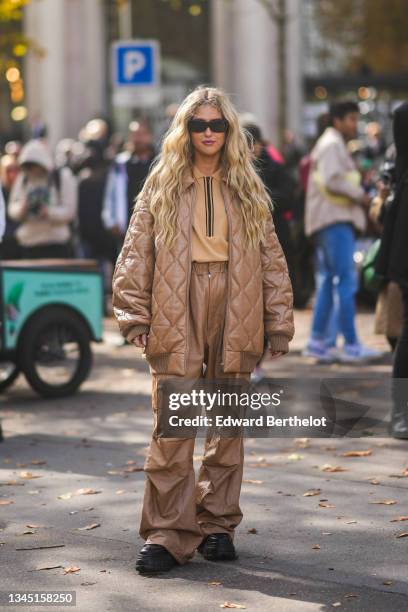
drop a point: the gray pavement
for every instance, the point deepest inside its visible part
(88, 451)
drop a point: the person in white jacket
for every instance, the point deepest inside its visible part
(44, 202)
(2, 215)
(335, 203)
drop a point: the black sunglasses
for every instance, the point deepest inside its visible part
(215, 125)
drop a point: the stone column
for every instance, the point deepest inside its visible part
(244, 60)
(66, 87)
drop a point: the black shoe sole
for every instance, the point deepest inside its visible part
(144, 568)
(220, 554)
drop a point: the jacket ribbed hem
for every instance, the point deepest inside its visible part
(136, 331)
(279, 343)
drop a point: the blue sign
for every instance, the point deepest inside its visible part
(136, 63)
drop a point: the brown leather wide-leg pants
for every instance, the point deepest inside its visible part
(178, 512)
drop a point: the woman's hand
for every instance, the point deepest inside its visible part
(276, 354)
(140, 341)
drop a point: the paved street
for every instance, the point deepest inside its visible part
(77, 462)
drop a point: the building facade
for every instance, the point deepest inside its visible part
(231, 43)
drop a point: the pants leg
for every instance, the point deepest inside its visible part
(336, 266)
(176, 514)
(324, 284)
(168, 514)
(220, 476)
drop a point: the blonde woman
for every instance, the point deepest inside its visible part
(200, 278)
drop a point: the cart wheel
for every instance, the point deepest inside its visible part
(8, 374)
(54, 352)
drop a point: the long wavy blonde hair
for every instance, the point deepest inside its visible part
(163, 187)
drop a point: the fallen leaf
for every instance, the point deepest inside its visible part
(88, 527)
(295, 457)
(302, 442)
(316, 547)
(28, 532)
(128, 470)
(65, 496)
(325, 505)
(385, 502)
(403, 474)
(113, 472)
(399, 518)
(250, 481)
(38, 462)
(21, 465)
(6, 502)
(336, 604)
(229, 604)
(28, 475)
(87, 492)
(404, 534)
(47, 567)
(349, 595)
(11, 483)
(33, 526)
(312, 492)
(374, 482)
(120, 492)
(387, 582)
(362, 453)
(350, 522)
(253, 530)
(327, 533)
(215, 583)
(330, 468)
(88, 583)
(71, 570)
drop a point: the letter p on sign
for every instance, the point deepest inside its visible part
(134, 62)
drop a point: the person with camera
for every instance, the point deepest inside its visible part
(392, 263)
(389, 309)
(44, 202)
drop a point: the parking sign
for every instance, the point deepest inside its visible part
(136, 73)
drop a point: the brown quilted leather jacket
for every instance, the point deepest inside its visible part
(151, 290)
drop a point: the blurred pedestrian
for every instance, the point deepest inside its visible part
(335, 203)
(389, 308)
(277, 183)
(96, 241)
(44, 202)
(126, 179)
(392, 263)
(9, 170)
(2, 216)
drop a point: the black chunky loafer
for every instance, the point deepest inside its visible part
(218, 547)
(154, 558)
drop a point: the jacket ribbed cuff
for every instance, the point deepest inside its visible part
(136, 331)
(279, 343)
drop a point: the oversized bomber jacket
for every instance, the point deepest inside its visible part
(151, 290)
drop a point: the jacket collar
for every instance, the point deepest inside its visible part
(191, 173)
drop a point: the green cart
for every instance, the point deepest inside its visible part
(51, 310)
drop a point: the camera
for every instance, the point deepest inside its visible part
(388, 172)
(37, 198)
